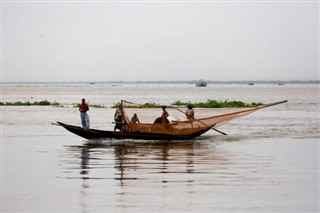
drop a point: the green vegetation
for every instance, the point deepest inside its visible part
(116, 105)
(216, 104)
(209, 104)
(28, 103)
(91, 105)
(97, 106)
(149, 105)
(145, 105)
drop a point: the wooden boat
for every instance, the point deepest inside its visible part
(178, 130)
(97, 134)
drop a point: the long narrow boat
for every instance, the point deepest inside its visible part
(179, 130)
(96, 134)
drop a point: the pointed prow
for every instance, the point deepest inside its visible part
(273, 104)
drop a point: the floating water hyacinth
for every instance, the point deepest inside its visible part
(216, 104)
(35, 103)
(209, 104)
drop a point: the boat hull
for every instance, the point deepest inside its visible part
(101, 134)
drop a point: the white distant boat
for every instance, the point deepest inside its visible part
(201, 83)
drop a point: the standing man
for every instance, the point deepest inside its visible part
(83, 114)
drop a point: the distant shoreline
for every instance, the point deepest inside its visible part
(170, 82)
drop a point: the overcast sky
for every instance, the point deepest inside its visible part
(106, 41)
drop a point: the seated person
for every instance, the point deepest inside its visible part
(164, 117)
(118, 120)
(190, 112)
(135, 118)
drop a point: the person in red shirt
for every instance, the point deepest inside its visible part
(83, 108)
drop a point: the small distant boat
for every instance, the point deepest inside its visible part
(178, 130)
(201, 83)
(281, 84)
(250, 84)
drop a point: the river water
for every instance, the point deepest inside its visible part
(268, 162)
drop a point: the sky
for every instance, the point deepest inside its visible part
(48, 41)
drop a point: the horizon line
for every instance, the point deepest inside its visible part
(166, 81)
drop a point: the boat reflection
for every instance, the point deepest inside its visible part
(121, 169)
(85, 156)
(129, 161)
(146, 161)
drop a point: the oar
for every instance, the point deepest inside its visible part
(219, 131)
(203, 123)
